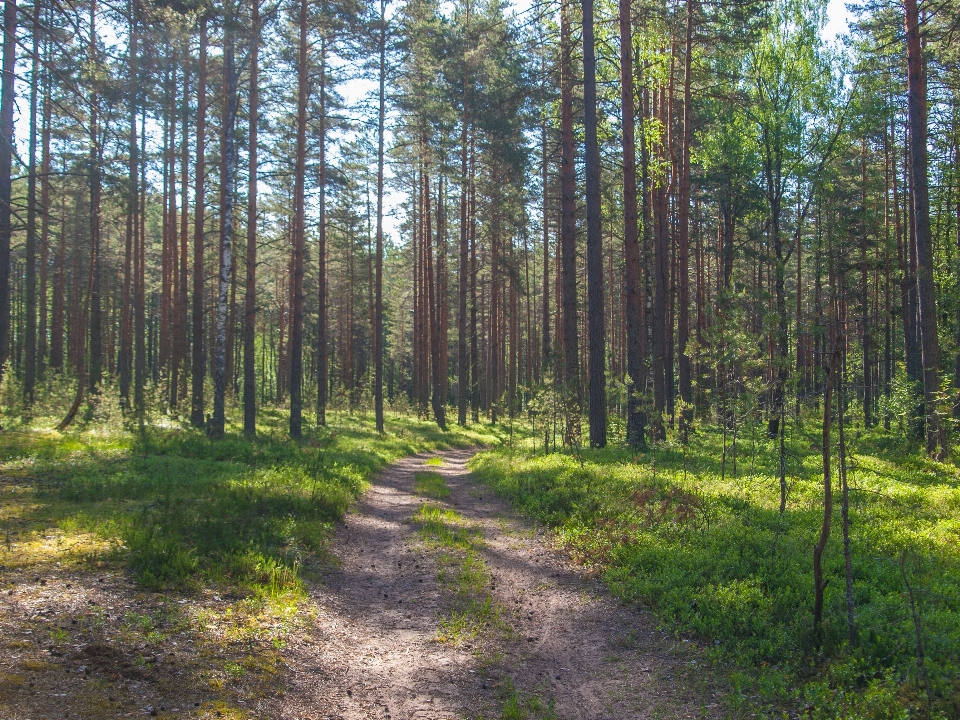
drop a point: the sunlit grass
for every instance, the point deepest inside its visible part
(431, 485)
(462, 574)
(706, 547)
(183, 511)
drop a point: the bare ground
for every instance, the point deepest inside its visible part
(375, 653)
(79, 639)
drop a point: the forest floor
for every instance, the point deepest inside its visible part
(445, 604)
(431, 599)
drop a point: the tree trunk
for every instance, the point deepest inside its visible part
(463, 367)
(378, 338)
(920, 197)
(139, 264)
(545, 299)
(568, 233)
(631, 237)
(474, 328)
(7, 100)
(127, 303)
(322, 247)
(845, 507)
(443, 310)
(597, 360)
(819, 584)
(865, 336)
(250, 294)
(432, 309)
(683, 238)
(227, 182)
(96, 328)
(661, 261)
(42, 347)
(30, 276)
(299, 230)
(198, 359)
(183, 283)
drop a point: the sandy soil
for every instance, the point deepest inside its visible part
(374, 651)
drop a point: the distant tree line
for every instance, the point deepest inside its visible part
(646, 215)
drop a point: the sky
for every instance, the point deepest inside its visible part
(837, 20)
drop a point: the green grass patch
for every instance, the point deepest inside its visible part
(244, 515)
(462, 574)
(431, 485)
(704, 545)
(434, 462)
(442, 527)
(515, 705)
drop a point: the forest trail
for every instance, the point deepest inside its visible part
(373, 650)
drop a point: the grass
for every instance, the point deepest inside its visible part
(707, 549)
(463, 574)
(184, 512)
(516, 706)
(431, 485)
(207, 545)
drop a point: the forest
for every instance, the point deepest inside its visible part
(685, 274)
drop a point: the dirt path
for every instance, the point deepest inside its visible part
(373, 650)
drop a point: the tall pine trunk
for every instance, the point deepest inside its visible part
(96, 328)
(920, 197)
(463, 368)
(183, 283)
(631, 236)
(322, 378)
(198, 365)
(47, 112)
(299, 230)
(378, 302)
(7, 100)
(127, 302)
(30, 275)
(683, 239)
(568, 234)
(250, 296)
(597, 362)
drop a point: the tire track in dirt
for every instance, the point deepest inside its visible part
(373, 650)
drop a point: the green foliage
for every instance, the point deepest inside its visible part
(516, 706)
(714, 558)
(431, 485)
(246, 515)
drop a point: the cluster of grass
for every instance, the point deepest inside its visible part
(515, 706)
(245, 515)
(431, 485)
(463, 572)
(707, 548)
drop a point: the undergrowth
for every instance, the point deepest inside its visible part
(704, 545)
(244, 515)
